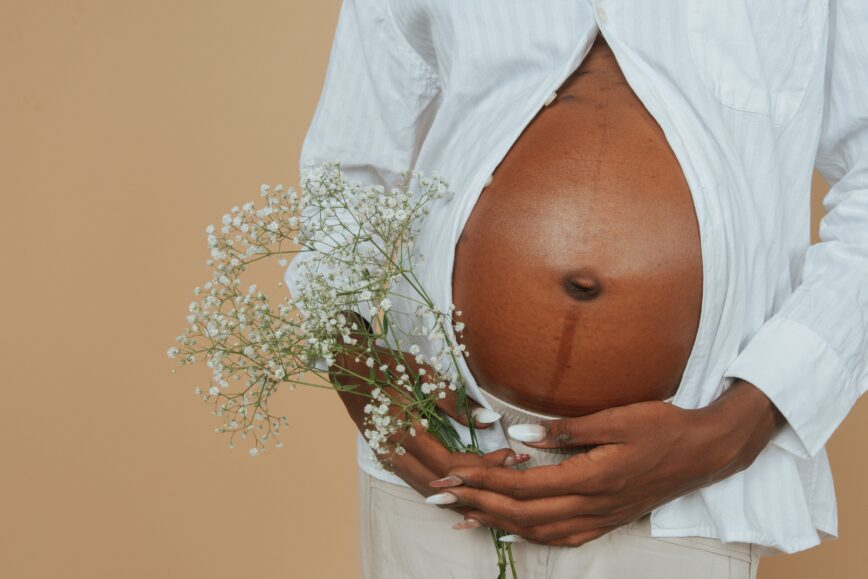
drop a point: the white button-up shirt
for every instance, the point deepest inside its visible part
(751, 96)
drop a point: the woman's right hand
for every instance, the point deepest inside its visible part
(424, 458)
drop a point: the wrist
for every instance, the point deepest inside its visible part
(738, 426)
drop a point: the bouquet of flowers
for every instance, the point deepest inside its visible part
(348, 266)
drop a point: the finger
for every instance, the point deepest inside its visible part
(453, 406)
(580, 539)
(503, 457)
(580, 474)
(437, 458)
(410, 470)
(535, 511)
(604, 427)
(572, 532)
(431, 452)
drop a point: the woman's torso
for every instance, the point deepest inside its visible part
(578, 272)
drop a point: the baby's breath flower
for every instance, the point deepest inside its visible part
(251, 344)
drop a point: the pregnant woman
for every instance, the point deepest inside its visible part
(643, 317)
(579, 277)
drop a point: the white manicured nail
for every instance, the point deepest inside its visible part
(441, 499)
(511, 539)
(527, 432)
(485, 416)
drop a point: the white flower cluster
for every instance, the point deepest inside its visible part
(237, 332)
(355, 244)
(361, 241)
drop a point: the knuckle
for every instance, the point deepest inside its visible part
(473, 478)
(534, 534)
(612, 484)
(487, 480)
(435, 464)
(601, 506)
(466, 498)
(547, 534)
(399, 470)
(579, 540)
(523, 520)
(518, 491)
(496, 458)
(593, 485)
(559, 431)
(515, 487)
(600, 483)
(449, 462)
(517, 515)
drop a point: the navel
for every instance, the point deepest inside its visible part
(583, 285)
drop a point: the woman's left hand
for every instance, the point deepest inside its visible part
(644, 455)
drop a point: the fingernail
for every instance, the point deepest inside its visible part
(511, 539)
(514, 459)
(441, 499)
(445, 482)
(467, 524)
(527, 432)
(485, 416)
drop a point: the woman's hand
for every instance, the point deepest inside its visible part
(644, 455)
(424, 458)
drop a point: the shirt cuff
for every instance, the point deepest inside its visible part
(803, 377)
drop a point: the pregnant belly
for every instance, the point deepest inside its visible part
(578, 272)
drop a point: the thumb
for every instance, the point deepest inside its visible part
(503, 457)
(602, 427)
(482, 417)
(458, 409)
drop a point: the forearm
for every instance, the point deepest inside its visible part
(352, 375)
(735, 428)
(345, 365)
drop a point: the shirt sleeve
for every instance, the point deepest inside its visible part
(811, 357)
(375, 105)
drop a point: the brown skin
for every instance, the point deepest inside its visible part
(647, 454)
(425, 458)
(607, 270)
(579, 271)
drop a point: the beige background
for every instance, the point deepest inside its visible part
(127, 127)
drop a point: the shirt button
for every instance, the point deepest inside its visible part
(601, 15)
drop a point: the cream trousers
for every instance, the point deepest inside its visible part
(402, 537)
